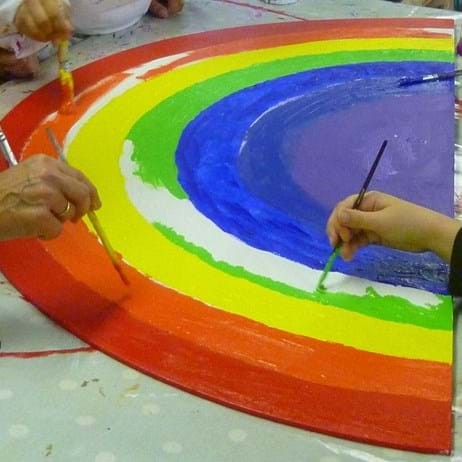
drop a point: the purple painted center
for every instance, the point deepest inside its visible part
(412, 166)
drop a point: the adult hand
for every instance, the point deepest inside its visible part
(44, 20)
(386, 220)
(38, 195)
(165, 8)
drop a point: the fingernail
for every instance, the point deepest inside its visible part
(344, 217)
(345, 255)
(163, 14)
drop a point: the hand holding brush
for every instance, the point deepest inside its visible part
(389, 221)
(336, 241)
(44, 20)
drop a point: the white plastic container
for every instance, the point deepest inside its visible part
(94, 17)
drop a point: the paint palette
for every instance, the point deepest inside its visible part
(218, 157)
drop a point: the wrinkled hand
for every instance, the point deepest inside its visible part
(165, 8)
(386, 220)
(38, 195)
(44, 20)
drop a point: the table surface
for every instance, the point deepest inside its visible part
(62, 401)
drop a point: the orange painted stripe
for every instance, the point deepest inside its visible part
(310, 359)
(400, 421)
(257, 43)
(315, 385)
(82, 256)
(46, 100)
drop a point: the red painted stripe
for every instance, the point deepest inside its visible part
(43, 353)
(47, 100)
(397, 421)
(418, 422)
(403, 422)
(406, 422)
(328, 360)
(312, 360)
(259, 43)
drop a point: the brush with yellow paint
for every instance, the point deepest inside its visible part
(93, 218)
(66, 79)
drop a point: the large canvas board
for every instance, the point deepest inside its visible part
(218, 157)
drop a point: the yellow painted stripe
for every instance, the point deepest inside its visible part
(96, 150)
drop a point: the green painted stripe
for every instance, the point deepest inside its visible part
(166, 121)
(386, 307)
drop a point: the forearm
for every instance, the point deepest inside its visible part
(441, 235)
(444, 238)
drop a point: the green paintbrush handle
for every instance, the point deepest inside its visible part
(335, 253)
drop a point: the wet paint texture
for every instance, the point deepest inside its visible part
(219, 330)
(387, 307)
(235, 296)
(202, 94)
(272, 182)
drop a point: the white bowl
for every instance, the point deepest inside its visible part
(93, 17)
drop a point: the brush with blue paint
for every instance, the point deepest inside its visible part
(408, 81)
(335, 253)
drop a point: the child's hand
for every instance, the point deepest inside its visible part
(165, 8)
(43, 20)
(392, 222)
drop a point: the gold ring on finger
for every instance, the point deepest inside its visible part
(65, 211)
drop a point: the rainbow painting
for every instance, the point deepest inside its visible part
(218, 157)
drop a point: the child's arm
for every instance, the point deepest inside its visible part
(386, 220)
(43, 20)
(392, 222)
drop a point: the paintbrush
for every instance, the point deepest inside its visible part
(407, 81)
(93, 217)
(320, 287)
(10, 158)
(66, 79)
(7, 152)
